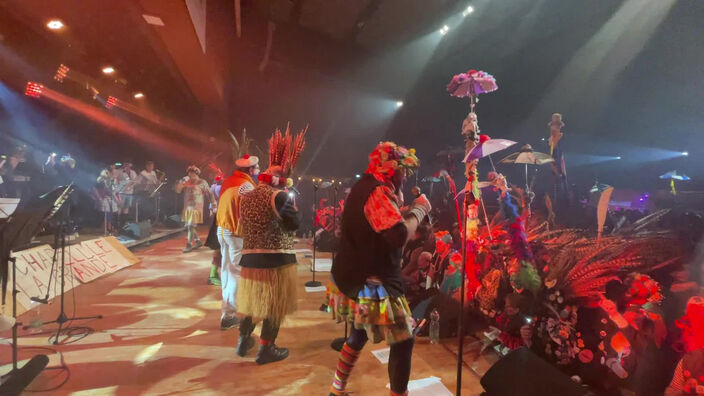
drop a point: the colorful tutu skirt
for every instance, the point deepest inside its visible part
(383, 317)
(268, 293)
(341, 307)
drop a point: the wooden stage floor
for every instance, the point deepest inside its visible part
(161, 336)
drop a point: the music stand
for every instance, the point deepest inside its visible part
(61, 238)
(157, 195)
(17, 232)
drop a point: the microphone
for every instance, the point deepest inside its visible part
(40, 300)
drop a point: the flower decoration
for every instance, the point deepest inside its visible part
(472, 83)
(388, 157)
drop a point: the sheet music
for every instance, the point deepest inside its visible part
(8, 206)
(323, 264)
(382, 355)
(431, 386)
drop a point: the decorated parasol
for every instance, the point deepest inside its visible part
(469, 85)
(672, 175)
(527, 157)
(488, 147)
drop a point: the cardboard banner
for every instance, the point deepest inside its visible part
(85, 262)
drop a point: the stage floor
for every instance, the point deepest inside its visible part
(161, 335)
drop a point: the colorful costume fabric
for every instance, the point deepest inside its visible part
(268, 280)
(194, 193)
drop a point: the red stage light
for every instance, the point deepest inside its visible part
(112, 101)
(34, 90)
(61, 72)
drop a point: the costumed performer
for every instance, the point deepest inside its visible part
(558, 167)
(227, 219)
(194, 191)
(268, 219)
(367, 267)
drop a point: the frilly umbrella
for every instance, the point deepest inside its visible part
(471, 84)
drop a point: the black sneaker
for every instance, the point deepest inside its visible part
(244, 344)
(197, 245)
(270, 354)
(188, 248)
(227, 323)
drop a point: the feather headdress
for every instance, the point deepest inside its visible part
(285, 150)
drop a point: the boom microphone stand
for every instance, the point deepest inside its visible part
(314, 283)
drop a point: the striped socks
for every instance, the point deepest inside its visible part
(348, 358)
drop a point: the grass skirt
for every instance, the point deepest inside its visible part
(341, 307)
(268, 293)
(192, 216)
(381, 316)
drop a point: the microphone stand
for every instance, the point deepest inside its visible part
(314, 283)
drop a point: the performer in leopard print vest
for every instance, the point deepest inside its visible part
(268, 218)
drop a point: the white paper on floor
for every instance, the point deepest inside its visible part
(382, 355)
(303, 251)
(323, 264)
(313, 289)
(431, 386)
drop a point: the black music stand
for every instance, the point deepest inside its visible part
(61, 212)
(17, 232)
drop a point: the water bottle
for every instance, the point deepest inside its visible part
(434, 327)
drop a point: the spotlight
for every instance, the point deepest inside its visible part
(358, 176)
(399, 103)
(55, 24)
(543, 139)
(291, 194)
(684, 153)
(34, 90)
(299, 178)
(61, 73)
(468, 11)
(108, 70)
(138, 95)
(444, 30)
(619, 157)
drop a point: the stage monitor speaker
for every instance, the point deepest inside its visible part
(19, 379)
(173, 221)
(137, 231)
(523, 373)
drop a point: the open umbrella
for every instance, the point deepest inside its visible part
(471, 84)
(527, 156)
(672, 175)
(489, 147)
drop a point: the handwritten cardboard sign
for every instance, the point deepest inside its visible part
(85, 262)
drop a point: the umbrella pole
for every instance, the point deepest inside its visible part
(492, 164)
(460, 324)
(486, 218)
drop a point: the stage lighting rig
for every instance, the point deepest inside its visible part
(34, 90)
(112, 101)
(61, 73)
